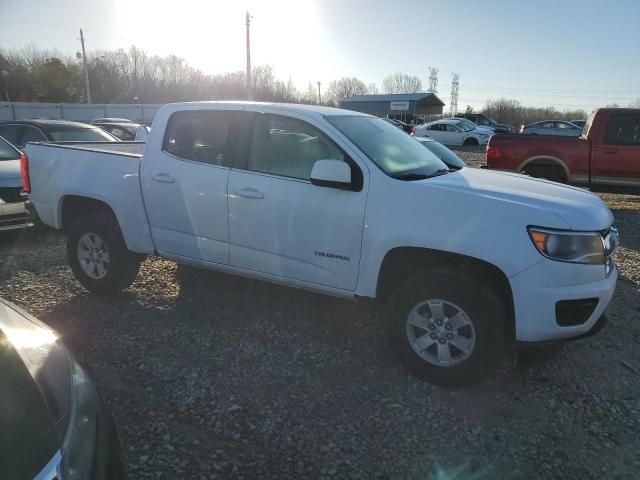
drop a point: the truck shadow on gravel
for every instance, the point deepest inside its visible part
(196, 362)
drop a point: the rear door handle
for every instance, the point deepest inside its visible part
(163, 178)
(250, 193)
(610, 151)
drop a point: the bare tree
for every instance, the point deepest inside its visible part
(344, 88)
(635, 103)
(373, 89)
(401, 83)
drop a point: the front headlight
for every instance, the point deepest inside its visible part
(79, 445)
(567, 246)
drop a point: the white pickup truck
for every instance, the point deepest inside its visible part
(344, 204)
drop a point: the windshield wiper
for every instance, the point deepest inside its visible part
(421, 176)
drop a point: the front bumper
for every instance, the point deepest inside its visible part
(535, 299)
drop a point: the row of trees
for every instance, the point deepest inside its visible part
(131, 76)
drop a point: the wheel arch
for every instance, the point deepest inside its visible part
(73, 206)
(401, 262)
(545, 160)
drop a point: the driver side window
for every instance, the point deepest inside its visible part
(288, 147)
(452, 128)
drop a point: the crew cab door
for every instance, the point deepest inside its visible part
(616, 161)
(184, 185)
(280, 224)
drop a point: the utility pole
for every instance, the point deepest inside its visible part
(249, 80)
(86, 70)
(455, 85)
(319, 95)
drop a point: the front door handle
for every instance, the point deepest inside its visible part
(250, 193)
(610, 151)
(163, 178)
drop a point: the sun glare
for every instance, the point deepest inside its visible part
(211, 35)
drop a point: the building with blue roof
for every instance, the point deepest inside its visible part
(408, 107)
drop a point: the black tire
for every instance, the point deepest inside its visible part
(555, 174)
(471, 142)
(479, 302)
(123, 265)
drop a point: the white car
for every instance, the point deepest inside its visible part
(453, 132)
(344, 204)
(488, 130)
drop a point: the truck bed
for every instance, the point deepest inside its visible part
(106, 171)
(514, 152)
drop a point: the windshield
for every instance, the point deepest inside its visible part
(387, 146)
(443, 153)
(465, 125)
(79, 134)
(7, 152)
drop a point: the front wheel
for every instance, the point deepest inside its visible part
(98, 254)
(471, 141)
(446, 327)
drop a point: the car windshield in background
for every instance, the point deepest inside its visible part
(76, 134)
(7, 152)
(465, 125)
(443, 153)
(387, 146)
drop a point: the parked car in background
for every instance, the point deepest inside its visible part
(453, 132)
(605, 158)
(127, 132)
(469, 123)
(579, 123)
(21, 132)
(552, 127)
(410, 129)
(111, 120)
(461, 258)
(53, 421)
(484, 121)
(443, 153)
(13, 215)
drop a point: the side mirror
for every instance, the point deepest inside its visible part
(331, 173)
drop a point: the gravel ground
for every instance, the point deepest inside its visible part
(211, 376)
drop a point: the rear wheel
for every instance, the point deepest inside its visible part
(446, 327)
(98, 254)
(549, 172)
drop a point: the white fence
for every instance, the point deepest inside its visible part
(79, 112)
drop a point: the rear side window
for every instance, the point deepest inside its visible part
(9, 133)
(623, 129)
(7, 152)
(199, 135)
(31, 134)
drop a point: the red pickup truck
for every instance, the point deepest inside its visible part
(605, 158)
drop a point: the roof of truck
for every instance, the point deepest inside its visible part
(288, 107)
